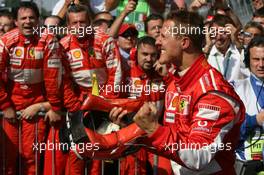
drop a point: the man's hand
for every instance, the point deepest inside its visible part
(116, 115)
(161, 68)
(10, 114)
(130, 7)
(68, 2)
(53, 117)
(260, 118)
(30, 111)
(233, 30)
(146, 118)
(209, 39)
(197, 4)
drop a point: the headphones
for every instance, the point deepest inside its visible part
(256, 41)
(247, 57)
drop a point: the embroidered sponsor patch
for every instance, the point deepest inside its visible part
(76, 65)
(208, 111)
(38, 54)
(76, 54)
(18, 52)
(111, 63)
(169, 97)
(16, 62)
(54, 63)
(201, 126)
(177, 103)
(137, 83)
(31, 52)
(183, 105)
(169, 117)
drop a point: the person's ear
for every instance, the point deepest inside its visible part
(185, 43)
(16, 23)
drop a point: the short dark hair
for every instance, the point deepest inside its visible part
(222, 20)
(259, 13)
(146, 40)
(76, 8)
(28, 5)
(253, 24)
(6, 14)
(152, 17)
(255, 42)
(98, 22)
(190, 20)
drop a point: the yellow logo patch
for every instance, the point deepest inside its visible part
(18, 53)
(137, 83)
(77, 54)
(32, 52)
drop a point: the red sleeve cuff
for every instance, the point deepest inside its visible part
(56, 108)
(5, 105)
(157, 137)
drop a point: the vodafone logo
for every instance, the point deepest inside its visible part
(202, 123)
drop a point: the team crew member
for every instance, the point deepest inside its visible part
(141, 79)
(90, 53)
(142, 82)
(7, 22)
(203, 113)
(251, 92)
(32, 68)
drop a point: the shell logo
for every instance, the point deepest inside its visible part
(77, 54)
(18, 53)
(175, 101)
(137, 83)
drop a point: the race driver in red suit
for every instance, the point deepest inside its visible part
(88, 52)
(32, 64)
(203, 113)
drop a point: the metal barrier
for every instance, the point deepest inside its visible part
(18, 114)
(86, 170)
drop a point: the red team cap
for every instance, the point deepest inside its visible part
(125, 27)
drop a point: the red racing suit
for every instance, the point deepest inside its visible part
(84, 57)
(148, 87)
(33, 74)
(96, 55)
(201, 122)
